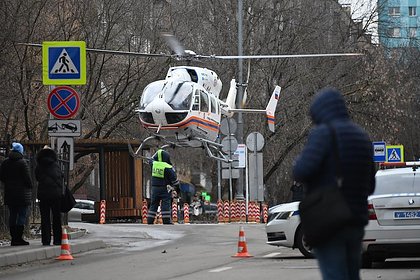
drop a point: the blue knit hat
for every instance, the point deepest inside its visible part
(17, 147)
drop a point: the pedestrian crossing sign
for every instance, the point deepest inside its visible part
(64, 63)
(395, 153)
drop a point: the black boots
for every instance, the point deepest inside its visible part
(16, 232)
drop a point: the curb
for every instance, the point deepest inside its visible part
(46, 252)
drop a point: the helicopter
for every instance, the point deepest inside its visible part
(185, 109)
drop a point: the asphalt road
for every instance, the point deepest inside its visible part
(189, 252)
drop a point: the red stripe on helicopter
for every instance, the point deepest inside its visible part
(190, 121)
(271, 119)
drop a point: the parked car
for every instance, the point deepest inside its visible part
(283, 228)
(394, 215)
(82, 207)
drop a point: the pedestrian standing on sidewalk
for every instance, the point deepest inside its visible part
(15, 174)
(50, 190)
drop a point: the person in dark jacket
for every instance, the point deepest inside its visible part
(297, 191)
(163, 175)
(315, 167)
(15, 174)
(50, 190)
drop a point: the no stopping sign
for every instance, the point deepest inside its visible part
(63, 102)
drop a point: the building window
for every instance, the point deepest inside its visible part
(412, 32)
(412, 11)
(394, 11)
(394, 32)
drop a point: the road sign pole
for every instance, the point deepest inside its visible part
(246, 185)
(240, 134)
(219, 178)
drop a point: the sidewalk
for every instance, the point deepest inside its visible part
(12, 255)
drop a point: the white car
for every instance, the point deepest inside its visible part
(394, 215)
(82, 207)
(283, 228)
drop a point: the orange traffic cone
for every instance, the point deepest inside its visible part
(65, 247)
(242, 249)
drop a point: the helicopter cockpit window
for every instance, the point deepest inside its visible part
(150, 92)
(204, 105)
(213, 104)
(178, 95)
(196, 104)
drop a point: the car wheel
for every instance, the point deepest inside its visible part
(304, 248)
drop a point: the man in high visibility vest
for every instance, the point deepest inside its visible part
(163, 175)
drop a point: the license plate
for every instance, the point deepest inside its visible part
(407, 215)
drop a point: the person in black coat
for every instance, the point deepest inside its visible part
(15, 174)
(316, 168)
(50, 190)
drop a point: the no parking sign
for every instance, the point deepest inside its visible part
(63, 102)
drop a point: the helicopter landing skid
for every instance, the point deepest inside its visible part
(138, 152)
(212, 147)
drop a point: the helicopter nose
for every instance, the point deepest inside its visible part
(158, 107)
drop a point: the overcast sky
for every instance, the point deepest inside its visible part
(362, 10)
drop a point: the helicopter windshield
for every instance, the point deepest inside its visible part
(178, 95)
(150, 92)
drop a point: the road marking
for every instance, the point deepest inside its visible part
(272, 255)
(221, 269)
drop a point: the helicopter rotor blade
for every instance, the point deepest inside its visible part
(245, 96)
(182, 54)
(279, 56)
(174, 44)
(104, 51)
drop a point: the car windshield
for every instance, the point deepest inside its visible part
(397, 183)
(178, 95)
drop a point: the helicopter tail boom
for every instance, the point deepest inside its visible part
(270, 110)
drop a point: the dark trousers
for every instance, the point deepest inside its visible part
(160, 194)
(340, 257)
(48, 207)
(17, 215)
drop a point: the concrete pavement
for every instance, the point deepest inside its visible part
(78, 240)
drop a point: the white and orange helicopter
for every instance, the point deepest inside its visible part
(185, 108)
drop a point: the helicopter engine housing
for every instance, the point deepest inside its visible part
(207, 78)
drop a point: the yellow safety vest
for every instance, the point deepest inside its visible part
(158, 167)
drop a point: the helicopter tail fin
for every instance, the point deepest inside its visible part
(271, 108)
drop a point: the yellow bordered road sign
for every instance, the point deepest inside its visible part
(64, 63)
(395, 153)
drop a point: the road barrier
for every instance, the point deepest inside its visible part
(226, 211)
(265, 213)
(102, 212)
(174, 212)
(220, 216)
(144, 210)
(186, 213)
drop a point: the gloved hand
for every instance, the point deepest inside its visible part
(177, 189)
